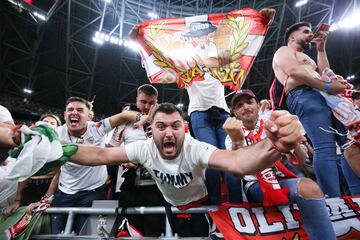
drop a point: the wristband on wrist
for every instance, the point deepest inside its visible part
(327, 86)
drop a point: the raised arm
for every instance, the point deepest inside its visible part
(131, 116)
(94, 156)
(122, 118)
(322, 60)
(283, 132)
(285, 60)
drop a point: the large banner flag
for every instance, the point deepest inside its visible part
(253, 221)
(181, 50)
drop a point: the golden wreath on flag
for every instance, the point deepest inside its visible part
(181, 50)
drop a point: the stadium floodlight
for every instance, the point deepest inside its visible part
(98, 40)
(153, 15)
(301, 3)
(180, 105)
(39, 16)
(26, 90)
(133, 45)
(101, 37)
(349, 22)
(350, 77)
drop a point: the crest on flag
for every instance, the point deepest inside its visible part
(181, 50)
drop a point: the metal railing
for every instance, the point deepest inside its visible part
(72, 211)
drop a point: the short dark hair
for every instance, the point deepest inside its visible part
(148, 90)
(356, 95)
(78, 99)
(294, 28)
(58, 121)
(168, 108)
(131, 106)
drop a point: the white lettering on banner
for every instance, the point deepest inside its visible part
(344, 111)
(338, 209)
(342, 215)
(264, 226)
(356, 200)
(248, 227)
(291, 223)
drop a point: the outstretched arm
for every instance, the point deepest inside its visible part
(283, 134)
(122, 118)
(94, 156)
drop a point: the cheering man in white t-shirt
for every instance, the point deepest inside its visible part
(79, 185)
(177, 162)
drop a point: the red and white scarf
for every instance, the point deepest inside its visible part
(274, 194)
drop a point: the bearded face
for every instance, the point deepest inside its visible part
(303, 37)
(168, 134)
(304, 44)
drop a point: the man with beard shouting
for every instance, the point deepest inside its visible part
(177, 161)
(301, 77)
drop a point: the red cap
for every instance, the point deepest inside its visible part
(242, 92)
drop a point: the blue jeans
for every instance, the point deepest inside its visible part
(313, 212)
(79, 199)
(207, 127)
(313, 112)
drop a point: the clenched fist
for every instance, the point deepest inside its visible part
(234, 128)
(283, 129)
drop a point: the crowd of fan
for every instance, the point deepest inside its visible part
(76, 185)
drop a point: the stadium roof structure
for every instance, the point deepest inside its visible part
(56, 57)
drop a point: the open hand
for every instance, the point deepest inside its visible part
(12, 208)
(146, 118)
(269, 14)
(134, 32)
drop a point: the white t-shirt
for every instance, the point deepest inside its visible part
(125, 134)
(8, 189)
(73, 177)
(181, 180)
(5, 115)
(206, 94)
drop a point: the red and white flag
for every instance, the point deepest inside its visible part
(181, 50)
(250, 221)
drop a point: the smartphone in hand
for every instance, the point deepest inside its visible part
(322, 28)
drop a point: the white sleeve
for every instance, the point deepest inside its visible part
(5, 115)
(202, 152)
(117, 137)
(101, 128)
(135, 151)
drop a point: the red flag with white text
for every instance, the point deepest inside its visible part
(249, 221)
